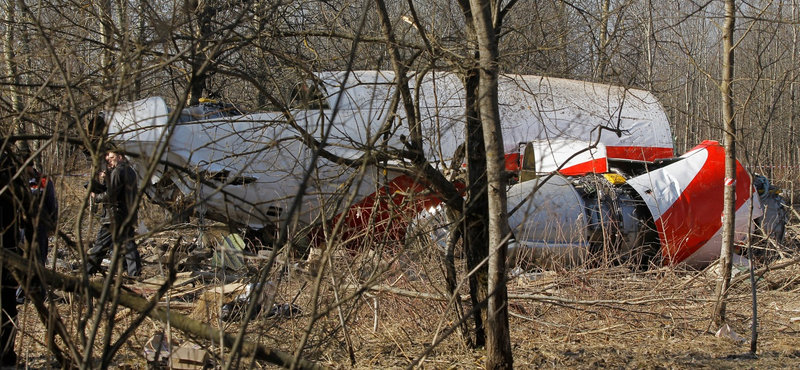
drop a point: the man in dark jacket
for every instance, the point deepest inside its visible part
(120, 214)
(44, 213)
(9, 237)
(45, 207)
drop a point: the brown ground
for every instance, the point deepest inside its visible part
(578, 318)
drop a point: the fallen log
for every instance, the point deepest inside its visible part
(176, 320)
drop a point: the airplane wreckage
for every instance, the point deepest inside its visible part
(578, 187)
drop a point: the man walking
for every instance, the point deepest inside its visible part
(120, 215)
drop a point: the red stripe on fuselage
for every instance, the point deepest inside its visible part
(599, 165)
(639, 153)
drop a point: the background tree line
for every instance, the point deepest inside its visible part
(59, 71)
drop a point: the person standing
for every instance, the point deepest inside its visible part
(9, 237)
(44, 211)
(120, 214)
(45, 208)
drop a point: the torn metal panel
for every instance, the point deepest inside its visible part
(249, 168)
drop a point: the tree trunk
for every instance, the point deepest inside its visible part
(726, 254)
(476, 215)
(205, 13)
(107, 59)
(602, 43)
(10, 65)
(476, 240)
(498, 342)
(791, 147)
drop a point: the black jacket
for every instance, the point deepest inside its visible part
(118, 195)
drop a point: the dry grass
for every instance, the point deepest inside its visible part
(607, 317)
(580, 319)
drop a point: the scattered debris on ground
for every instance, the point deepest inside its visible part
(600, 317)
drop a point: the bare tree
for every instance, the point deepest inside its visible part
(11, 44)
(487, 17)
(730, 161)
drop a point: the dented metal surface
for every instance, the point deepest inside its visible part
(248, 168)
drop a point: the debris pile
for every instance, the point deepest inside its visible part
(161, 352)
(213, 283)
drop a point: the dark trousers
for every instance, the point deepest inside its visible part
(105, 241)
(8, 298)
(36, 285)
(8, 289)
